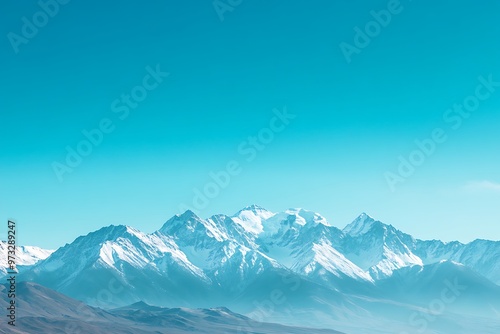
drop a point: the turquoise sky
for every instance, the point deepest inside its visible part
(353, 120)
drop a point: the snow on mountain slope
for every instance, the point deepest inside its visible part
(482, 256)
(323, 258)
(111, 246)
(251, 218)
(29, 255)
(119, 256)
(361, 225)
(377, 247)
(290, 223)
(433, 251)
(304, 242)
(381, 249)
(189, 230)
(223, 249)
(25, 256)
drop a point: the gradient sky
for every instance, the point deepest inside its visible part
(353, 120)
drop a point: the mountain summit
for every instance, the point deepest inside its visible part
(362, 224)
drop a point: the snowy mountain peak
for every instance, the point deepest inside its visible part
(251, 218)
(187, 220)
(26, 256)
(305, 217)
(365, 215)
(254, 208)
(188, 214)
(114, 232)
(361, 225)
(111, 232)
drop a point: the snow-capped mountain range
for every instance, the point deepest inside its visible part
(234, 260)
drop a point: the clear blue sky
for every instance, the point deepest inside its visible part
(353, 120)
